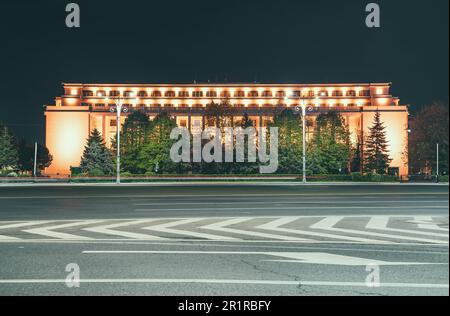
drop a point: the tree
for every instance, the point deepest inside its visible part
(428, 128)
(97, 159)
(9, 156)
(357, 161)
(154, 156)
(290, 144)
(133, 137)
(26, 157)
(330, 149)
(376, 155)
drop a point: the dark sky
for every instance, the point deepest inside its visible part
(283, 41)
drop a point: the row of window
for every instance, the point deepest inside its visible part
(170, 105)
(227, 94)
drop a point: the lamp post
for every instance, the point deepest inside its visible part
(303, 109)
(118, 102)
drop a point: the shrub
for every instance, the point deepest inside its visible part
(96, 173)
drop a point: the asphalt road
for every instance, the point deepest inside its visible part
(225, 239)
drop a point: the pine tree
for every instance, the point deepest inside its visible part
(97, 159)
(9, 156)
(376, 148)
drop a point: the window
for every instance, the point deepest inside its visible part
(183, 94)
(142, 94)
(267, 105)
(351, 93)
(323, 93)
(281, 94)
(101, 93)
(156, 94)
(114, 93)
(183, 123)
(170, 94)
(168, 105)
(197, 106)
(184, 106)
(267, 94)
(225, 94)
(197, 94)
(253, 105)
(311, 93)
(127, 94)
(113, 123)
(88, 93)
(253, 94)
(100, 105)
(364, 93)
(337, 93)
(211, 94)
(156, 105)
(239, 94)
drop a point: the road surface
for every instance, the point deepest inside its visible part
(224, 239)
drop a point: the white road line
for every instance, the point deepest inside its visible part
(274, 225)
(48, 230)
(288, 202)
(18, 225)
(221, 226)
(277, 208)
(108, 230)
(224, 281)
(166, 228)
(381, 223)
(426, 222)
(329, 223)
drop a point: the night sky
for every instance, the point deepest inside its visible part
(281, 41)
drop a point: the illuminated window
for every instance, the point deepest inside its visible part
(101, 93)
(183, 123)
(197, 94)
(184, 106)
(168, 105)
(364, 93)
(323, 93)
(351, 93)
(183, 94)
(311, 93)
(142, 94)
(113, 123)
(239, 94)
(281, 94)
(156, 105)
(267, 94)
(253, 94)
(170, 94)
(114, 93)
(156, 94)
(225, 94)
(253, 105)
(100, 105)
(197, 106)
(88, 93)
(337, 93)
(127, 94)
(211, 94)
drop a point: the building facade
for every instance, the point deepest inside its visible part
(84, 107)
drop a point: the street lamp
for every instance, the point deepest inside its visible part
(303, 109)
(118, 102)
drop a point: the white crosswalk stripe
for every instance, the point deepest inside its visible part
(329, 223)
(166, 228)
(275, 226)
(303, 229)
(222, 227)
(109, 230)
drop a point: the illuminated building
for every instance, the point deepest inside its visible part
(84, 107)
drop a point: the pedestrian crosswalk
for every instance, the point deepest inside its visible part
(302, 229)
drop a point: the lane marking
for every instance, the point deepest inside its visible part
(426, 222)
(166, 228)
(108, 230)
(381, 223)
(278, 208)
(18, 225)
(329, 223)
(221, 226)
(274, 225)
(293, 257)
(224, 281)
(48, 231)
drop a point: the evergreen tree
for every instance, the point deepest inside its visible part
(290, 144)
(154, 156)
(357, 161)
(376, 148)
(9, 156)
(133, 137)
(26, 157)
(330, 150)
(97, 159)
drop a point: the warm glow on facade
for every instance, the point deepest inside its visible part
(84, 107)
